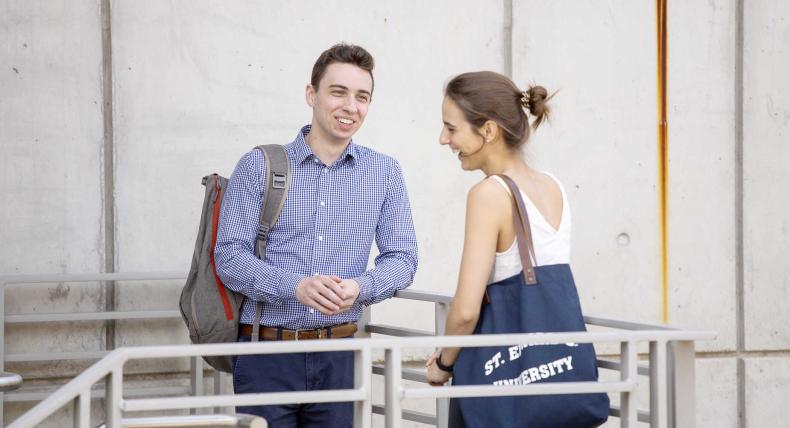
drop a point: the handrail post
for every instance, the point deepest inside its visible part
(658, 385)
(112, 398)
(684, 384)
(219, 389)
(628, 372)
(2, 345)
(363, 379)
(442, 404)
(82, 410)
(392, 388)
(362, 323)
(195, 379)
(363, 373)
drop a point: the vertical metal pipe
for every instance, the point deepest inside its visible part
(108, 166)
(671, 383)
(219, 388)
(363, 322)
(507, 39)
(113, 397)
(658, 385)
(363, 373)
(628, 399)
(2, 344)
(82, 410)
(740, 330)
(663, 161)
(363, 379)
(392, 388)
(440, 318)
(195, 379)
(685, 406)
(442, 404)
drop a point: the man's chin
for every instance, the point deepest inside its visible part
(343, 134)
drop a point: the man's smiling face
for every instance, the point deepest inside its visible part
(340, 102)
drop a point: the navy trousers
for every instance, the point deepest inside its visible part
(296, 372)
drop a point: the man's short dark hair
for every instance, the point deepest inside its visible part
(345, 54)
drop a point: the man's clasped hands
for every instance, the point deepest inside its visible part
(328, 294)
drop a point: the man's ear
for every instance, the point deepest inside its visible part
(309, 95)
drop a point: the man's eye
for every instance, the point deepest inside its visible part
(363, 98)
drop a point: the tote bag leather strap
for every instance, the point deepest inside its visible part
(526, 249)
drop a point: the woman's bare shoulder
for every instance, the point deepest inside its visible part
(487, 192)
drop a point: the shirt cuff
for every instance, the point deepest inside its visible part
(287, 288)
(366, 289)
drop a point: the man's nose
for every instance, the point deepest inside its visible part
(350, 105)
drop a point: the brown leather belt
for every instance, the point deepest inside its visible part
(275, 333)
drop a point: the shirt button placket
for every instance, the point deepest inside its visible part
(320, 219)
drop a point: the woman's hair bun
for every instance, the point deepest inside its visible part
(534, 99)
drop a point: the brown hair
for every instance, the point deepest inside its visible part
(345, 54)
(486, 95)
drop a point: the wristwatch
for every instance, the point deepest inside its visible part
(442, 367)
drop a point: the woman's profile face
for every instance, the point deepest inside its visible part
(460, 136)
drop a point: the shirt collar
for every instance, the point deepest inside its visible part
(303, 151)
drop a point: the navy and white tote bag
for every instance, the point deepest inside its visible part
(539, 299)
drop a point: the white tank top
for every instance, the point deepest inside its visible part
(551, 246)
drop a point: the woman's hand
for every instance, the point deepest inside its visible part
(436, 376)
(432, 358)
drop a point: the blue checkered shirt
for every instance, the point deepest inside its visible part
(327, 226)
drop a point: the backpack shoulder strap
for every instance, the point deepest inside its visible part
(278, 180)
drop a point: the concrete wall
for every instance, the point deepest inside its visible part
(765, 222)
(51, 167)
(196, 84)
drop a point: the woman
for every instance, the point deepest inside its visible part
(486, 123)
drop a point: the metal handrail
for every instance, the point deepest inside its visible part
(192, 421)
(44, 279)
(9, 381)
(111, 367)
(89, 277)
(670, 369)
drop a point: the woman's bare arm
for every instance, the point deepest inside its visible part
(487, 211)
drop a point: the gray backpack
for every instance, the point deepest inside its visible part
(211, 311)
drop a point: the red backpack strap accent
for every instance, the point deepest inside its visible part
(223, 292)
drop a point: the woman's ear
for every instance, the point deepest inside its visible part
(489, 131)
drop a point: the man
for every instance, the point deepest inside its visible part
(314, 276)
